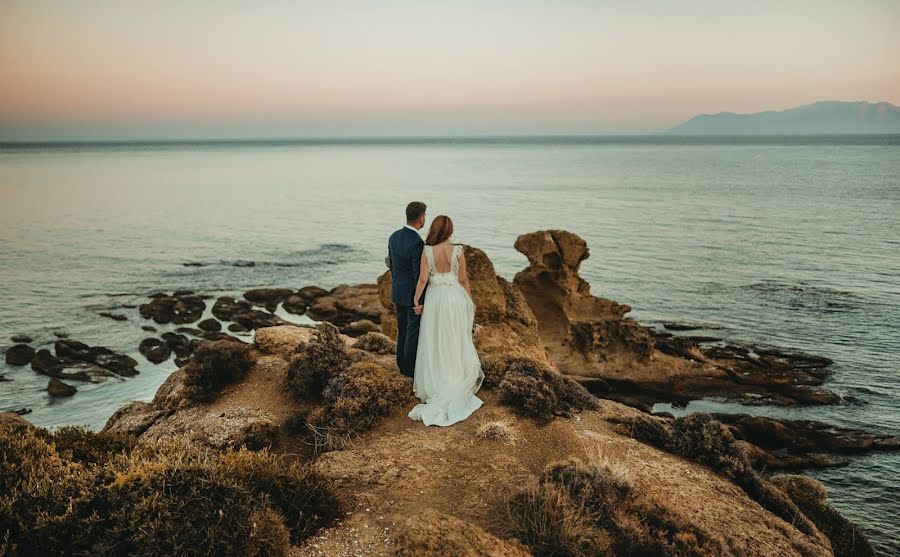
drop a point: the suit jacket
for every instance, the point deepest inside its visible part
(405, 257)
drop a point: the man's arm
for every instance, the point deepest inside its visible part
(415, 261)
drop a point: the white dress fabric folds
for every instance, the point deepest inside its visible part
(448, 371)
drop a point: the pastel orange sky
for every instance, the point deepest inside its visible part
(166, 69)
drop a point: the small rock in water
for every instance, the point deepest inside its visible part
(238, 328)
(244, 264)
(60, 334)
(57, 388)
(155, 350)
(149, 328)
(183, 306)
(193, 331)
(24, 339)
(19, 355)
(115, 316)
(210, 325)
(681, 326)
(178, 343)
(193, 264)
(45, 362)
(4, 378)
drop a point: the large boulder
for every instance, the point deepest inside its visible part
(183, 306)
(19, 354)
(580, 331)
(58, 389)
(226, 306)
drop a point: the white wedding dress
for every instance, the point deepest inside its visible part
(448, 372)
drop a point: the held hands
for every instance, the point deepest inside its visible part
(417, 309)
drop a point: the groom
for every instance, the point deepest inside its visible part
(404, 257)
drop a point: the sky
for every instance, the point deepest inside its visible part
(165, 69)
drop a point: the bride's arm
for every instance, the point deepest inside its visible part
(420, 285)
(463, 276)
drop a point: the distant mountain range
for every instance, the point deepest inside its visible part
(824, 117)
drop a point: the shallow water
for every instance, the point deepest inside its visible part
(789, 242)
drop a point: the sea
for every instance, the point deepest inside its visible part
(790, 241)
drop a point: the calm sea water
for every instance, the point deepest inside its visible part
(792, 242)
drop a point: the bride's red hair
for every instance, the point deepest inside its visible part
(440, 230)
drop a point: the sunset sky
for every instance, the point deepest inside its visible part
(230, 69)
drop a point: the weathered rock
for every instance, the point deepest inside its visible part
(155, 350)
(19, 354)
(114, 316)
(209, 325)
(120, 364)
(181, 307)
(225, 307)
(21, 339)
(57, 388)
(267, 297)
(346, 304)
(580, 331)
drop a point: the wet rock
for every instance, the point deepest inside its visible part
(218, 335)
(182, 361)
(57, 388)
(60, 334)
(311, 293)
(238, 328)
(21, 339)
(225, 307)
(359, 328)
(243, 264)
(345, 304)
(681, 326)
(148, 328)
(267, 297)
(209, 325)
(19, 354)
(805, 436)
(4, 378)
(120, 364)
(178, 343)
(257, 319)
(114, 316)
(155, 350)
(181, 307)
(45, 362)
(295, 304)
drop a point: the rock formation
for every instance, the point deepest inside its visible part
(182, 306)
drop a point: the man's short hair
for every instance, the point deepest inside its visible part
(414, 210)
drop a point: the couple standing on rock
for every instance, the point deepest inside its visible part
(434, 335)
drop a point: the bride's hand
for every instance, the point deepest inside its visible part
(417, 309)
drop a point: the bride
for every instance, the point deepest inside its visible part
(448, 372)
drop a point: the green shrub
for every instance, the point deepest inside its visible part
(376, 343)
(316, 361)
(214, 365)
(537, 391)
(355, 400)
(582, 510)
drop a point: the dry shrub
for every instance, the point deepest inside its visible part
(701, 438)
(214, 365)
(811, 497)
(78, 444)
(584, 510)
(535, 390)
(376, 343)
(165, 499)
(316, 361)
(354, 401)
(499, 430)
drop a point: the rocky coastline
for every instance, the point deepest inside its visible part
(546, 342)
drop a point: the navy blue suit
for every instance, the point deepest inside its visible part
(405, 257)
